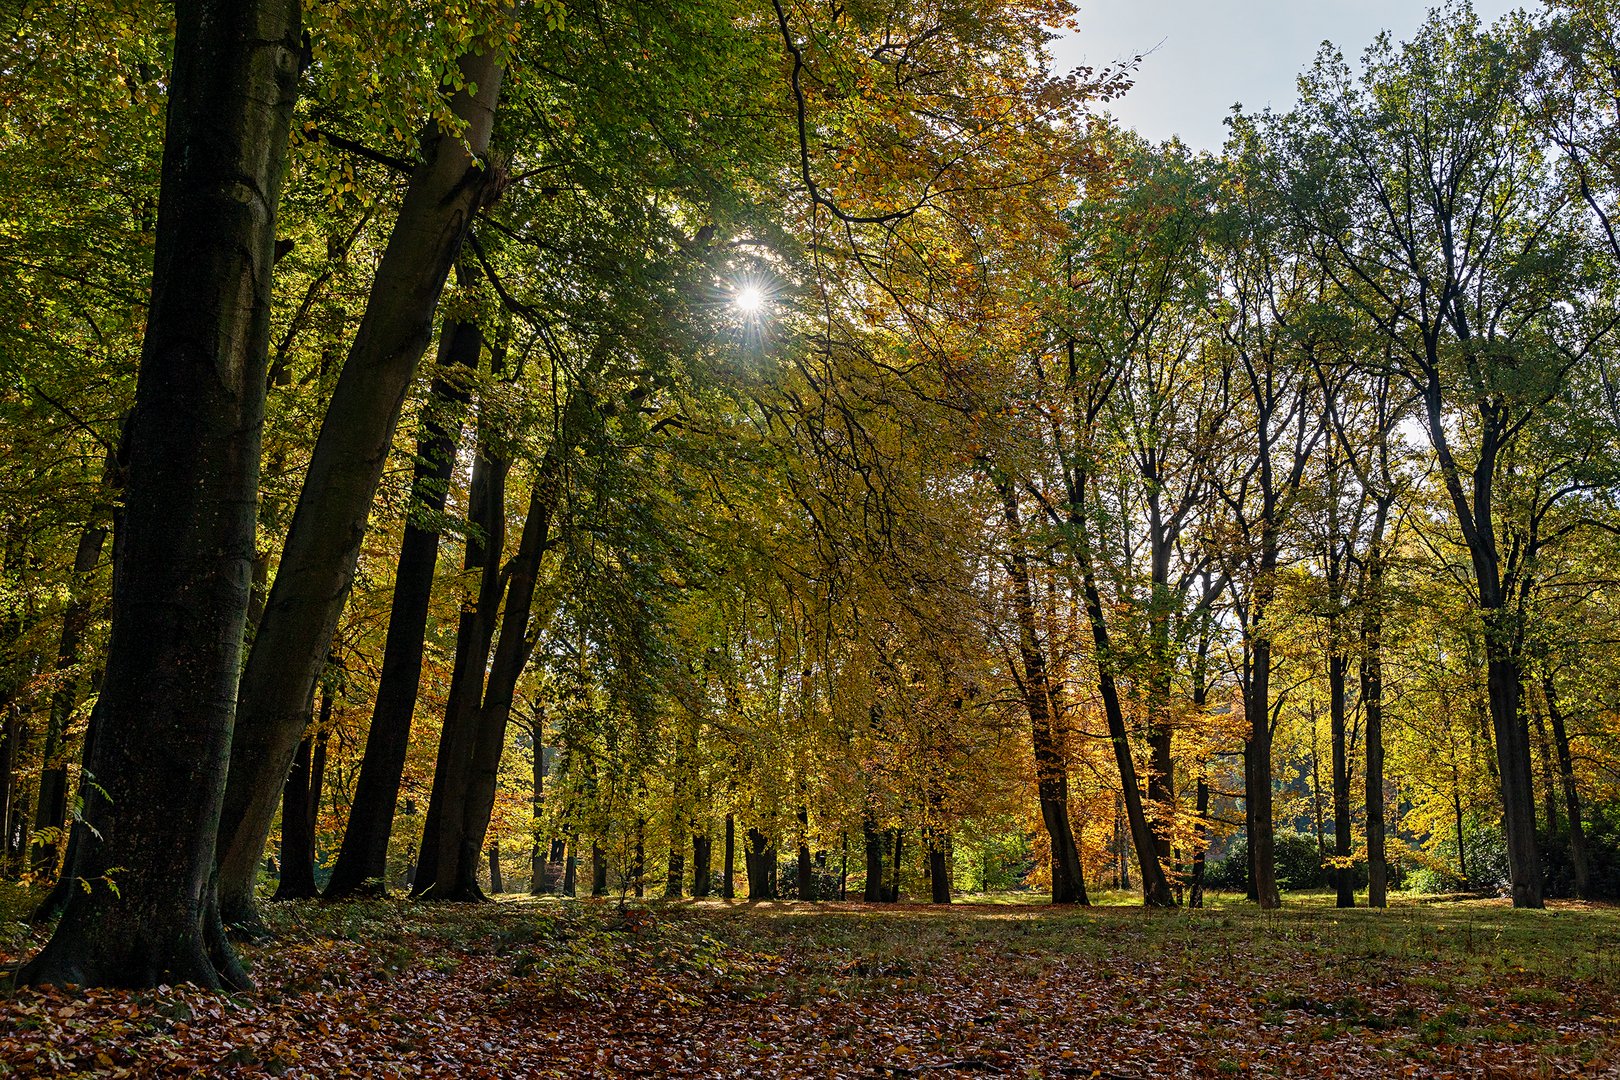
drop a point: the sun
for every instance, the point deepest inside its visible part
(748, 300)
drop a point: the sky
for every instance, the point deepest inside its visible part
(1208, 54)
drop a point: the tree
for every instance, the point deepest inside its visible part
(1440, 221)
(149, 913)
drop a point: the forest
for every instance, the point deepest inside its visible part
(777, 469)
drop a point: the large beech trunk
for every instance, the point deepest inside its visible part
(761, 867)
(363, 857)
(148, 913)
(805, 870)
(322, 547)
(939, 874)
(599, 870)
(297, 881)
(675, 870)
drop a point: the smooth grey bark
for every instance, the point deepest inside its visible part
(318, 559)
(167, 704)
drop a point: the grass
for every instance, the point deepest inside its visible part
(999, 987)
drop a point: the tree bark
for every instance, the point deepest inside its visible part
(1051, 772)
(1257, 790)
(363, 856)
(467, 795)
(761, 868)
(1372, 704)
(675, 870)
(891, 894)
(805, 870)
(1343, 875)
(486, 539)
(939, 874)
(873, 893)
(1155, 886)
(322, 548)
(167, 701)
(537, 849)
(496, 885)
(728, 877)
(598, 870)
(300, 810)
(297, 831)
(702, 852)
(1578, 856)
(51, 807)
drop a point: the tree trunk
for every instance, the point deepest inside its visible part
(1343, 876)
(537, 850)
(598, 870)
(300, 810)
(51, 808)
(297, 831)
(638, 869)
(806, 871)
(322, 547)
(1549, 768)
(1372, 703)
(1051, 772)
(555, 863)
(486, 539)
(874, 863)
(891, 895)
(939, 874)
(1257, 792)
(468, 793)
(571, 866)
(761, 867)
(1572, 803)
(363, 856)
(1155, 886)
(702, 852)
(496, 885)
(675, 871)
(728, 877)
(1195, 896)
(167, 700)
(67, 881)
(1513, 765)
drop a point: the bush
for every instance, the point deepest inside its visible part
(1484, 853)
(1602, 856)
(787, 881)
(1299, 865)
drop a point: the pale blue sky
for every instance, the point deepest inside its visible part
(1212, 53)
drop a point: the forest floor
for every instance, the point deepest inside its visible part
(560, 988)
